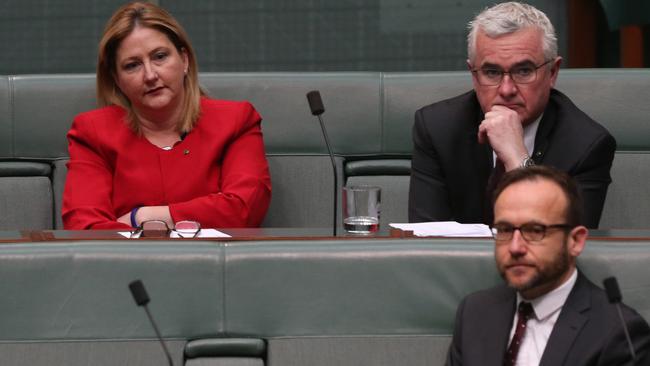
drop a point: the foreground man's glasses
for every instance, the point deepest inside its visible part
(159, 229)
(533, 233)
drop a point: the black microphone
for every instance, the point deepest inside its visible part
(317, 108)
(142, 299)
(614, 296)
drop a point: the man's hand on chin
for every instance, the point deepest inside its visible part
(503, 130)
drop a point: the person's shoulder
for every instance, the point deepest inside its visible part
(603, 323)
(107, 118)
(457, 113)
(607, 311)
(103, 112)
(493, 295)
(223, 105)
(573, 117)
(448, 120)
(460, 102)
(577, 129)
(105, 115)
(227, 115)
(100, 127)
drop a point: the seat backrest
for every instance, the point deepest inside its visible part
(26, 197)
(315, 302)
(368, 116)
(403, 94)
(33, 149)
(618, 99)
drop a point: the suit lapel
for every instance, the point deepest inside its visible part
(486, 160)
(546, 127)
(496, 330)
(573, 316)
(483, 155)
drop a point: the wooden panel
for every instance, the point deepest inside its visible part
(582, 33)
(631, 46)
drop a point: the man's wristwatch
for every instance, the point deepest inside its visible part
(527, 162)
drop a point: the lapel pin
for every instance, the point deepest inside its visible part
(186, 152)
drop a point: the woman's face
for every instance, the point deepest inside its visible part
(150, 72)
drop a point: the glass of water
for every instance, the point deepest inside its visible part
(361, 208)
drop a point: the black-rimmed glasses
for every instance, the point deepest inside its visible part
(521, 74)
(531, 232)
(159, 229)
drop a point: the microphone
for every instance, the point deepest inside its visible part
(614, 296)
(317, 108)
(142, 299)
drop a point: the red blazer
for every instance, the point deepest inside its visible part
(218, 174)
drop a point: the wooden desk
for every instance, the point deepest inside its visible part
(14, 236)
(236, 235)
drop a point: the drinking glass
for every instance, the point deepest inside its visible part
(361, 208)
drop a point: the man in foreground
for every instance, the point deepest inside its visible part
(512, 118)
(549, 313)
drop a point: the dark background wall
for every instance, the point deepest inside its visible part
(47, 36)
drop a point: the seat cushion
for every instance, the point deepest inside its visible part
(26, 203)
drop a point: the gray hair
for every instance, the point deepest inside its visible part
(506, 18)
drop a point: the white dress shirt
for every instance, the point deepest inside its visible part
(539, 327)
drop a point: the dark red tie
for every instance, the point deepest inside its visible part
(524, 313)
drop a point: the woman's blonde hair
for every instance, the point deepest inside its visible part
(119, 26)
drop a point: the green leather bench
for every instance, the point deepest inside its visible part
(368, 115)
(324, 302)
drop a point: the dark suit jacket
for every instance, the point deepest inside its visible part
(587, 332)
(450, 169)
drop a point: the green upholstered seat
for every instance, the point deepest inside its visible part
(284, 302)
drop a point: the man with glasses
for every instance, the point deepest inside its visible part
(549, 313)
(512, 118)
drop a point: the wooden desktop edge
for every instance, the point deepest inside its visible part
(249, 235)
(236, 235)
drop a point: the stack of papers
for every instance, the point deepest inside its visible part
(446, 228)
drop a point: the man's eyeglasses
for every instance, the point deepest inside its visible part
(522, 74)
(159, 229)
(531, 232)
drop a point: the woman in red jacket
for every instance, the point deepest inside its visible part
(159, 149)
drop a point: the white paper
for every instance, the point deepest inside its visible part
(204, 233)
(446, 228)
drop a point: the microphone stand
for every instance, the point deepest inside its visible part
(614, 296)
(327, 143)
(141, 297)
(317, 108)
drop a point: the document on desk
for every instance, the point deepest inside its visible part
(204, 233)
(446, 228)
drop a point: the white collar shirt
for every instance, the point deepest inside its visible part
(539, 327)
